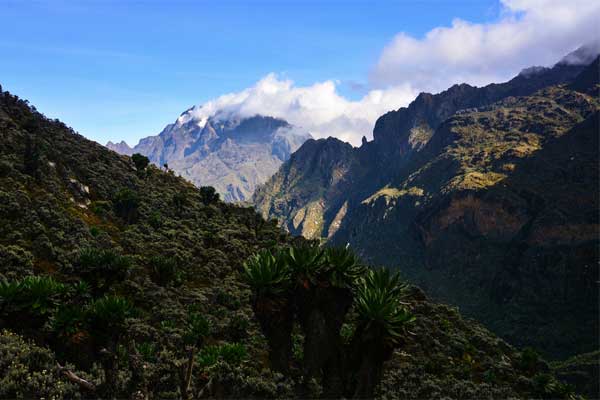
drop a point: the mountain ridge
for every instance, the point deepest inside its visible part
(422, 159)
(233, 155)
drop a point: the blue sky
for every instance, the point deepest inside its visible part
(124, 69)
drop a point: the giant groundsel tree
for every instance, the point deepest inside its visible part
(320, 290)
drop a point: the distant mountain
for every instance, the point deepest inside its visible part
(232, 154)
(122, 147)
(485, 197)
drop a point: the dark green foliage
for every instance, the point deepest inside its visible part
(180, 200)
(107, 316)
(379, 303)
(165, 270)
(231, 353)
(69, 320)
(32, 159)
(147, 350)
(155, 220)
(101, 208)
(343, 266)
(546, 386)
(326, 281)
(126, 203)
(266, 273)
(238, 327)
(208, 356)
(197, 328)
(529, 359)
(306, 263)
(34, 295)
(102, 268)
(140, 161)
(209, 195)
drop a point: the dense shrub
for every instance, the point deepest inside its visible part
(29, 371)
(209, 195)
(126, 203)
(140, 161)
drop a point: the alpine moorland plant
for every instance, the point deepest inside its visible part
(379, 302)
(165, 270)
(266, 273)
(269, 277)
(343, 266)
(318, 287)
(382, 318)
(306, 264)
(36, 296)
(102, 268)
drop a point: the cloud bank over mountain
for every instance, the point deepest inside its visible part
(318, 108)
(527, 32)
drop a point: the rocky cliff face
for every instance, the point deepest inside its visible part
(486, 197)
(233, 155)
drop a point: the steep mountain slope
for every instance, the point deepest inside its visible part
(231, 154)
(398, 136)
(405, 202)
(155, 252)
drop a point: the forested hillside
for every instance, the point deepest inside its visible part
(119, 280)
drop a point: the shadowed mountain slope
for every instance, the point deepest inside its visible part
(486, 197)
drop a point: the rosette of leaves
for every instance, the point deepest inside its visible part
(102, 268)
(107, 316)
(30, 301)
(344, 268)
(267, 274)
(306, 264)
(164, 270)
(382, 318)
(379, 304)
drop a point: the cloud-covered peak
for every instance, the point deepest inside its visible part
(527, 33)
(318, 108)
(584, 55)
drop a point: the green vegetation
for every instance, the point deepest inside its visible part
(164, 270)
(318, 288)
(153, 301)
(140, 161)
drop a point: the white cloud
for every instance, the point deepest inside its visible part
(529, 32)
(318, 108)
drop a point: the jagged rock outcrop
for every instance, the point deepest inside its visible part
(231, 154)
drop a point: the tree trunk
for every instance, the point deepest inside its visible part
(322, 311)
(370, 352)
(109, 361)
(276, 321)
(187, 376)
(139, 382)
